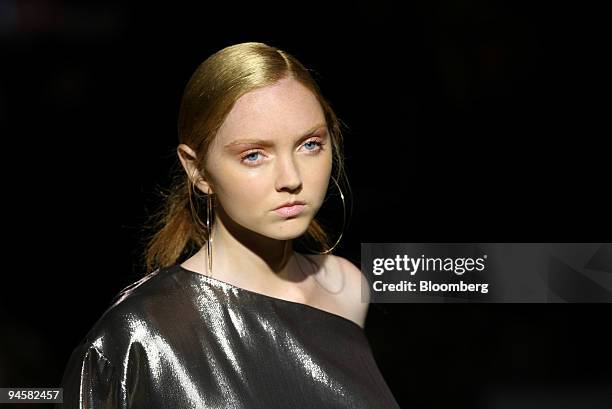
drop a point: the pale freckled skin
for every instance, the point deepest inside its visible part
(251, 243)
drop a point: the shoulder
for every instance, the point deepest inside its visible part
(357, 294)
(354, 276)
(134, 314)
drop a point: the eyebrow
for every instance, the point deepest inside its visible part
(270, 143)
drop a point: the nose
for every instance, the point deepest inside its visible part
(288, 175)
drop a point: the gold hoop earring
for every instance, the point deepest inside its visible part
(343, 222)
(209, 209)
(209, 230)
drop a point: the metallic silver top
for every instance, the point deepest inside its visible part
(179, 339)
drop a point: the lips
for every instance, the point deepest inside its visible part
(288, 211)
(291, 204)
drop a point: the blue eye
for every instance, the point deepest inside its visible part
(314, 144)
(250, 155)
(251, 158)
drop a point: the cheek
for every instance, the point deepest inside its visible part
(322, 172)
(245, 192)
(318, 178)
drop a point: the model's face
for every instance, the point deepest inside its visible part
(273, 148)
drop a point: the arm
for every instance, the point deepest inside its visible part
(90, 380)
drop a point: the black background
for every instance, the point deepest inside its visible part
(468, 121)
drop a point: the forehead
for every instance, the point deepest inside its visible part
(283, 110)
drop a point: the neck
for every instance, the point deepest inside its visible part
(243, 256)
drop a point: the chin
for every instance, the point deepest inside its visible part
(288, 229)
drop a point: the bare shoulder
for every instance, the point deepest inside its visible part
(355, 307)
(343, 282)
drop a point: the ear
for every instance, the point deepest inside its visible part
(188, 159)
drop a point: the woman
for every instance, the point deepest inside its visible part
(246, 321)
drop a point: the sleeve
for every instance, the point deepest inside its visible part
(90, 381)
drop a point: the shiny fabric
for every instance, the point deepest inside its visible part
(179, 339)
